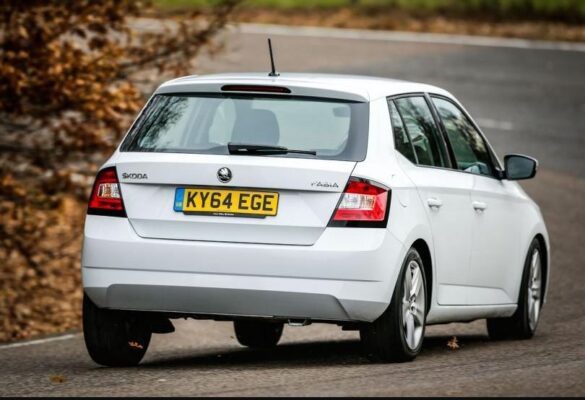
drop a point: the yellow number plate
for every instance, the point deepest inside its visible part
(226, 202)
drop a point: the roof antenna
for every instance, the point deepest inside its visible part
(273, 71)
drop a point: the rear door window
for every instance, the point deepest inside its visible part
(402, 141)
(422, 131)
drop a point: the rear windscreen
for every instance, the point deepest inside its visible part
(205, 124)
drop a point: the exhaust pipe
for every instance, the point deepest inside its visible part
(299, 322)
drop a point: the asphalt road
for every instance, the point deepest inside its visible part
(530, 101)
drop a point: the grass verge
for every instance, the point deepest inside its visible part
(527, 19)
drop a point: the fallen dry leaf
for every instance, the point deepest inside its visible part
(57, 379)
(453, 343)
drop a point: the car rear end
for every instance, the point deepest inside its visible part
(239, 199)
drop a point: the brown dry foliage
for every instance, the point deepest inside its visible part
(71, 74)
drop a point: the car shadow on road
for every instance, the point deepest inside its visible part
(291, 355)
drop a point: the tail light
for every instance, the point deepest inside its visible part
(106, 198)
(363, 204)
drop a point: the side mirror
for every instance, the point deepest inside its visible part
(519, 167)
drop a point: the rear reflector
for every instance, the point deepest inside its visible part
(363, 204)
(106, 198)
(255, 88)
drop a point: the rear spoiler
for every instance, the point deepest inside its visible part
(287, 88)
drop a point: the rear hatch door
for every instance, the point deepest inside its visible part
(307, 193)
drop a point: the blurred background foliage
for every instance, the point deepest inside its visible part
(553, 10)
(528, 19)
(73, 74)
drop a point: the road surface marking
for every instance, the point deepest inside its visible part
(494, 124)
(38, 341)
(415, 37)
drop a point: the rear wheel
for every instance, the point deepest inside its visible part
(523, 323)
(397, 335)
(112, 337)
(258, 334)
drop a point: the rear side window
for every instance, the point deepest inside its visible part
(205, 124)
(401, 139)
(469, 147)
(422, 131)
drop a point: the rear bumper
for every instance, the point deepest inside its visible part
(347, 275)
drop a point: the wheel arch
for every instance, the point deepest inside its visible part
(545, 261)
(424, 251)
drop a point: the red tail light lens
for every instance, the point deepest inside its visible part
(363, 204)
(106, 198)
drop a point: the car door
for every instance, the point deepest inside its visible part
(445, 193)
(496, 229)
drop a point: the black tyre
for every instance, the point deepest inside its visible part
(114, 338)
(397, 335)
(523, 323)
(258, 334)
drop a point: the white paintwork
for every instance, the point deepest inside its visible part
(350, 87)
(304, 209)
(478, 229)
(445, 197)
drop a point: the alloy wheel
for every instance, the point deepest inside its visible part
(413, 305)
(534, 290)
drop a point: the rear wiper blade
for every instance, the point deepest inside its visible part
(259, 149)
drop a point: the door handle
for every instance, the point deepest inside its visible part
(434, 203)
(479, 205)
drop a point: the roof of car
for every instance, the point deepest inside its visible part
(353, 87)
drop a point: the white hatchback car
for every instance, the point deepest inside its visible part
(373, 204)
